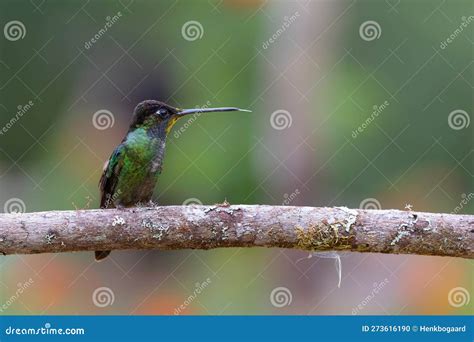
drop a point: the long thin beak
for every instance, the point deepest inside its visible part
(210, 110)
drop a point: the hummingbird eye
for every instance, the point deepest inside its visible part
(163, 112)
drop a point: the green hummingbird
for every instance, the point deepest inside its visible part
(130, 175)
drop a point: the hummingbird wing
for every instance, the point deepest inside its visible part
(110, 176)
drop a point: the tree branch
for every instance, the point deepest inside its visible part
(205, 227)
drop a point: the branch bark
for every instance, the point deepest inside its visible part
(205, 227)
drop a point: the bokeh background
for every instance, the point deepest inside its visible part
(312, 72)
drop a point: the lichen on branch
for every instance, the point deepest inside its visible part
(218, 226)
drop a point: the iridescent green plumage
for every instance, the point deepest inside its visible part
(131, 173)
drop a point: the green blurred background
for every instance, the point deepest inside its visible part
(309, 63)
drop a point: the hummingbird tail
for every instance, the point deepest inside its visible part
(101, 255)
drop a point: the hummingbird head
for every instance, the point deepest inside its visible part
(161, 117)
(154, 114)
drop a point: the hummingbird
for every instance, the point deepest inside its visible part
(130, 175)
